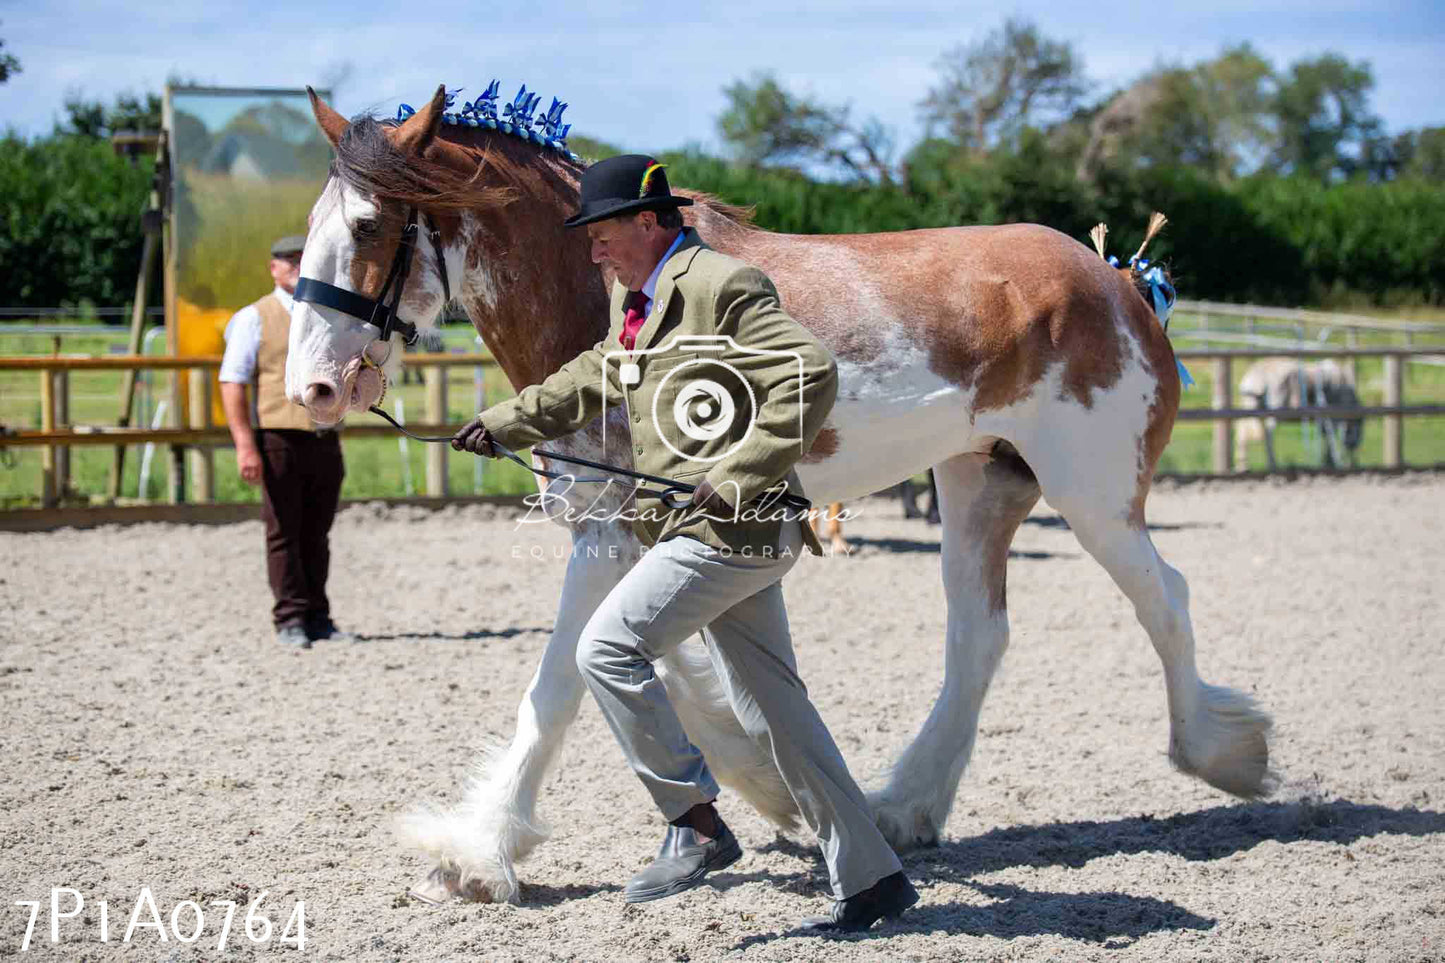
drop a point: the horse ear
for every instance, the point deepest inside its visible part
(332, 124)
(416, 134)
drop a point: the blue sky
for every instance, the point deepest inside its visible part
(650, 77)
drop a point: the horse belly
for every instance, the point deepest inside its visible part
(888, 426)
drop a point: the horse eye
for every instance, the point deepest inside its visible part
(365, 227)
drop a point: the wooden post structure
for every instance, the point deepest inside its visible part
(1394, 453)
(436, 414)
(48, 497)
(1352, 340)
(203, 460)
(1223, 427)
(128, 378)
(62, 419)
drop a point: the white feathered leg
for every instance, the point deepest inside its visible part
(982, 502)
(1215, 733)
(1091, 472)
(477, 843)
(707, 716)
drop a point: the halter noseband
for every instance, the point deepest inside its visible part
(376, 311)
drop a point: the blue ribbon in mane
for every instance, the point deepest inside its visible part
(517, 117)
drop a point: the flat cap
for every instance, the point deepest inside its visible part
(291, 244)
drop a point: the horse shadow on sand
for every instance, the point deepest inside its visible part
(1110, 920)
(859, 545)
(474, 635)
(1060, 522)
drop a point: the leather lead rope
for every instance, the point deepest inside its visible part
(668, 496)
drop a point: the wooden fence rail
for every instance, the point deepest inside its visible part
(56, 436)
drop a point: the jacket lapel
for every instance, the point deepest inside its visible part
(675, 268)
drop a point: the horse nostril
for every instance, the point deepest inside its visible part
(318, 392)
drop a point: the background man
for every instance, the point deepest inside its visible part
(298, 467)
(712, 568)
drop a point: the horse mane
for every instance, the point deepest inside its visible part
(737, 215)
(368, 160)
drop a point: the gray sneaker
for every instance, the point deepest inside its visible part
(293, 634)
(325, 630)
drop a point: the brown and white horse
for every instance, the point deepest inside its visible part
(1011, 360)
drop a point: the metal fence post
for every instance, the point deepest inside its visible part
(1223, 427)
(1394, 453)
(436, 414)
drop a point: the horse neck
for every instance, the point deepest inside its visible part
(530, 288)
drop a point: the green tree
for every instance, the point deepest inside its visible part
(92, 118)
(1214, 117)
(1418, 154)
(1323, 118)
(590, 148)
(69, 224)
(990, 90)
(8, 64)
(766, 124)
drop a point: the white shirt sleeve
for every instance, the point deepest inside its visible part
(243, 344)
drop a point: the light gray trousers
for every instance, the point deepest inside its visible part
(680, 587)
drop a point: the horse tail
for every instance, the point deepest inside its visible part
(1153, 282)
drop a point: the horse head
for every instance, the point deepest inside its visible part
(375, 264)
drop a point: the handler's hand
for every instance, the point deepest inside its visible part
(475, 438)
(708, 500)
(248, 463)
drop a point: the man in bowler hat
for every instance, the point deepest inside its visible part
(696, 336)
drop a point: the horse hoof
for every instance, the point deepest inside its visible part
(905, 829)
(441, 886)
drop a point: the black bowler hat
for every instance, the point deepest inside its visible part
(624, 184)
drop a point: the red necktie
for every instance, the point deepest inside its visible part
(635, 305)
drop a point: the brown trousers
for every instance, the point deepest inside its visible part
(301, 475)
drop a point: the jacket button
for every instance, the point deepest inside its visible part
(639, 449)
(637, 418)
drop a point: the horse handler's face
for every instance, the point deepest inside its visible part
(627, 246)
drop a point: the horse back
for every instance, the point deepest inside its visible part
(989, 309)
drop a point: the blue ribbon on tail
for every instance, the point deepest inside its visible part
(1164, 296)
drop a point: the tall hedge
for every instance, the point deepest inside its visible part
(70, 231)
(69, 222)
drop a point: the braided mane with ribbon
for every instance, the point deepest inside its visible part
(518, 117)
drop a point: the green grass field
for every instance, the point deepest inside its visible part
(1190, 448)
(376, 467)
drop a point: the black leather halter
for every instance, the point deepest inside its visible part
(376, 311)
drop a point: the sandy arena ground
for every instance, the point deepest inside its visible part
(155, 735)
